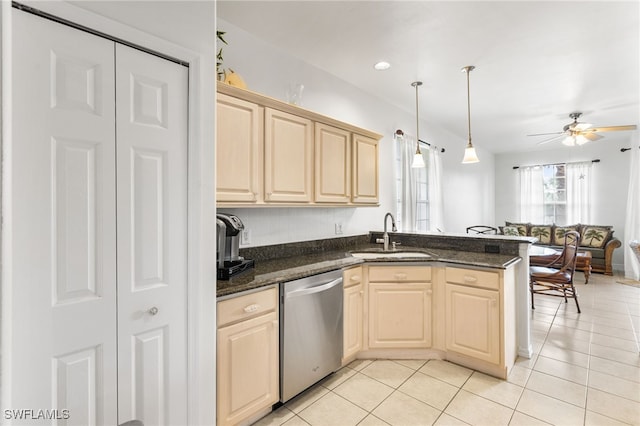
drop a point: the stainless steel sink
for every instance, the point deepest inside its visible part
(389, 254)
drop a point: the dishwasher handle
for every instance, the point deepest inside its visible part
(315, 289)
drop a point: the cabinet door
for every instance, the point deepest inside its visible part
(399, 315)
(472, 322)
(365, 170)
(332, 164)
(238, 150)
(288, 155)
(353, 310)
(247, 368)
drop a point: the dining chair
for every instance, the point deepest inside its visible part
(482, 229)
(556, 277)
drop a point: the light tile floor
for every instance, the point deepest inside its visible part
(585, 370)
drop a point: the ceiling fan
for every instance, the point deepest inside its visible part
(578, 133)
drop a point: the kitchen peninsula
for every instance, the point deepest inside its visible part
(457, 297)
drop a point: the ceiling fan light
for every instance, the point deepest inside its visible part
(581, 140)
(470, 155)
(569, 141)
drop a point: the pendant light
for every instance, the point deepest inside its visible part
(469, 152)
(418, 161)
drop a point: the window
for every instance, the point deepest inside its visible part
(412, 186)
(556, 193)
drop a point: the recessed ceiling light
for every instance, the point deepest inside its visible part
(382, 65)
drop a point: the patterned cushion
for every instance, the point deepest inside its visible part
(523, 228)
(559, 231)
(542, 232)
(511, 230)
(595, 236)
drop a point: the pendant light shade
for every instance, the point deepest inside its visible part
(470, 155)
(418, 161)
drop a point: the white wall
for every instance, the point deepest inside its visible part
(610, 180)
(268, 70)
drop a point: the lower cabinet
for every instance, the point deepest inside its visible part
(399, 307)
(248, 351)
(476, 302)
(353, 312)
(473, 322)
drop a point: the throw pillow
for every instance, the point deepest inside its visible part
(559, 231)
(522, 228)
(511, 230)
(595, 236)
(542, 232)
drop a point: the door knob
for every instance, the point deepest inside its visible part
(152, 311)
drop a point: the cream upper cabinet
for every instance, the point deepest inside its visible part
(473, 313)
(353, 312)
(332, 164)
(365, 170)
(248, 356)
(288, 165)
(271, 153)
(400, 307)
(238, 150)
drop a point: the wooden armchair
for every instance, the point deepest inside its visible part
(556, 278)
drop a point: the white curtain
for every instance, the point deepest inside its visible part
(433, 161)
(531, 194)
(407, 183)
(632, 222)
(579, 192)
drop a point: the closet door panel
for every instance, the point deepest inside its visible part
(151, 98)
(59, 221)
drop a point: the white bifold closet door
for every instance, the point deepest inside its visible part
(96, 228)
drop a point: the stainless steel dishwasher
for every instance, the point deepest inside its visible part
(310, 331)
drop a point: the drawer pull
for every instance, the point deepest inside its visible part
(252, 308)
(470, 279)
(355, 278)
(400, 276)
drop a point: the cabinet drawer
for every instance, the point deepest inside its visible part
(473, 278)
(399, 273)
(247, 306)
(352, 276)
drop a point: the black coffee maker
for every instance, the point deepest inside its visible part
(229, 262)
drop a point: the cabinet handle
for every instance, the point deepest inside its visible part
(470, 279)
(152, 311)
(355, 278)
(400, 276)
(494, 302)
(252, 308)
(361, 292)
(429, 291)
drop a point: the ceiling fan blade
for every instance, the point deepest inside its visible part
(591, 136)
(582, 126)
(551, 139)
(546, 134)
(612, 128)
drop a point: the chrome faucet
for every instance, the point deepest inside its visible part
(385, 236)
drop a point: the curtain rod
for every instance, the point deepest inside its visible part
(401, 133)
(597, 160)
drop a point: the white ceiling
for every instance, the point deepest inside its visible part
(536, 61)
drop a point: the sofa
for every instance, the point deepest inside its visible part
(598, 240)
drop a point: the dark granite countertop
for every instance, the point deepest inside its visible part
(270, 271)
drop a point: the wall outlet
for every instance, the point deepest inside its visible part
(338, 228)
(245, 237)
